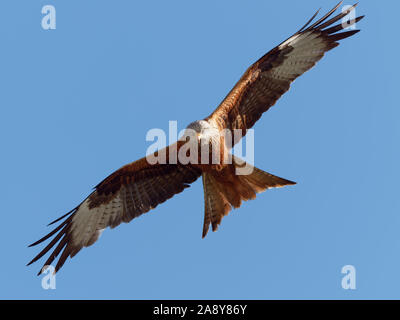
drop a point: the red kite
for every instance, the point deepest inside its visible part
(140, 186)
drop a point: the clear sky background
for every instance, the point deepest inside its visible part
(76, 104)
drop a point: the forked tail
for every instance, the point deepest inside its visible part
(224, 190)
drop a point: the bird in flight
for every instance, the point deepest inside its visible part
(141, 185)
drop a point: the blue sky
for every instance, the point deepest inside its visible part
(77, 102)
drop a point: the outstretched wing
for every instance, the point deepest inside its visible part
(126, 194)
(270, 77)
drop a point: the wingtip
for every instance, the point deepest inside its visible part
(62, 217)
(45, 268)
(352, 7)
(339, 4)
(34, 244)
(361, 17)
(29, 263)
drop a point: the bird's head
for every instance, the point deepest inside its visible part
(200, 130)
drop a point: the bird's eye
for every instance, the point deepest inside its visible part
(187, 139)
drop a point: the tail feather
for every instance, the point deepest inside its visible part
(221, 193)
(230, 193)
(262, 180)
(215, 204)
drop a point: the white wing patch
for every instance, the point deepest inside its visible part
(88, 223)
(308, 48)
